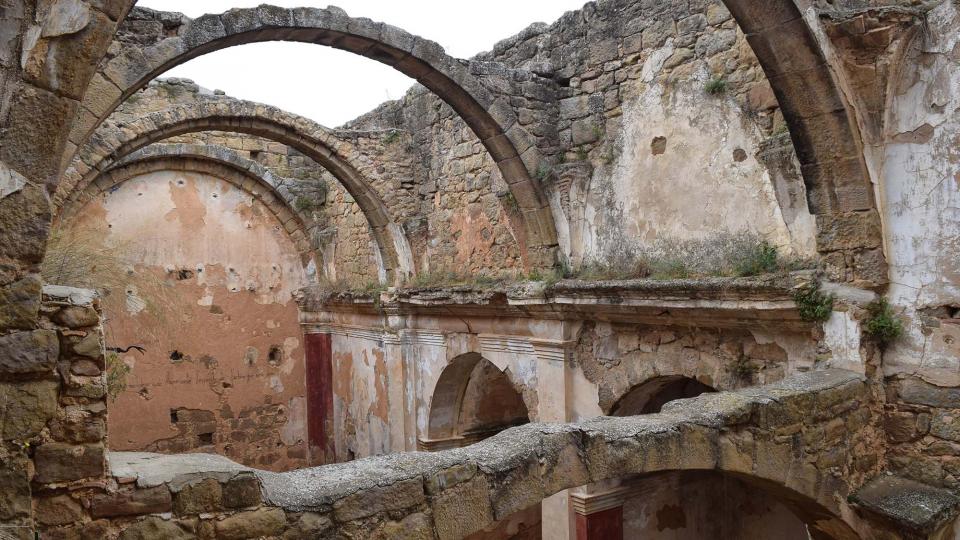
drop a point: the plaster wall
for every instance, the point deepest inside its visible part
(209, 296)
(921, 202)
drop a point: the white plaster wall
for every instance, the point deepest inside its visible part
(693, 190)
(920, 192)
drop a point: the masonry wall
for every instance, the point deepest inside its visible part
(634, 147)
(209, 295)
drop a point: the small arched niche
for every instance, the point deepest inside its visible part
(650, 396)
(473, 400)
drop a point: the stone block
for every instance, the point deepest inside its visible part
(14, 491)
(58, 462)
(154, 500)
(24, 218)
(29, 352)
(850, 230)
(946, 425)
(413, 527)
(241, 492)
(199, 498)
(262, 522)
(918, 392)
(20, 304)
(26, 408)
(463, 509)
(398, 496)
(585, 131)
(154, 528)
(58, 511)
(77, 317)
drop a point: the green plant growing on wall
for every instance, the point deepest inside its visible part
(509, 201)
(812, 303)
(305, 204)
(582, 154)
(743, 369)
(598, 132)
(761, 258)
(391, 137)
(117, 371)
(543, 172)
(883, 325)
(716, 86)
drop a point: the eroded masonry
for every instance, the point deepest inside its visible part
(658, 270)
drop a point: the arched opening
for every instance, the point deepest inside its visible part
(650, 397)
(473, 400)
(270, 123)
(693, 505)
(490, 117)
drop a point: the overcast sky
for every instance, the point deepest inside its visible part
(332, 86)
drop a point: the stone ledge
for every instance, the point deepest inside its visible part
(151, 470)
(715, 302)
(911, 505)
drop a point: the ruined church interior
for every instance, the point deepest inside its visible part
(653, 270)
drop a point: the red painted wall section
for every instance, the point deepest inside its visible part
(604, 525)
(320, 397)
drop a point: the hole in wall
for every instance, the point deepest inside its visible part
(176, 356)
(183, 274)
(173, 416)
(205, 439)
(275, 356)
(658, 146)
(739, 155)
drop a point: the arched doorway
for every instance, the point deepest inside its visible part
(473, 400)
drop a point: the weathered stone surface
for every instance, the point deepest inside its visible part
(241, 492)
(59, 510)
(404, 494)
(14, 491)
(153, 528)
(24, 222)
(77, 317)
(463, 509)
(27, 407)
(916, 391)
(20, 303)
(57, 462)
(413, 527)
(132, 503)
(946, 426)
(90, 346)
(29, 352)
(912, 505)
(204, 496)
(262, 522)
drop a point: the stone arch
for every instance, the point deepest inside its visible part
(733, 433)
(824, 131)
(313, 140)
(650, 396)
(449, 425)
(220, 162)
(491, 117)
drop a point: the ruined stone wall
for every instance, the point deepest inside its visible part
(209, 295)
(58, 417)
(618, 357)
(462, 223)
(454, 494)
(633, 145)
